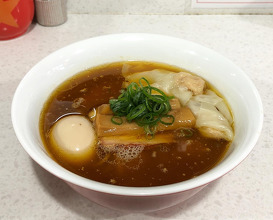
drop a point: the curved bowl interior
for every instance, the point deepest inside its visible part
(234, 84)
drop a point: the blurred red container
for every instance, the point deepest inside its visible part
(15, 17)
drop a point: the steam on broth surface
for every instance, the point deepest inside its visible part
(128, 157)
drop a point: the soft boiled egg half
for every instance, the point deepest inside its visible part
(74, 137)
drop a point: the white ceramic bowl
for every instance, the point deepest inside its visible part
(39, 82)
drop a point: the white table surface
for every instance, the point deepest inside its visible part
(29, 192)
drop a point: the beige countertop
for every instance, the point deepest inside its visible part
(29, 192)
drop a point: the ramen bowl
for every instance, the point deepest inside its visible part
(229, 80)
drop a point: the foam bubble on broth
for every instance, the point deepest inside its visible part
(129, 152)
(119, 154)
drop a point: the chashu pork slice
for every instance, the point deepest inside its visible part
(104, 127)
(141, 140)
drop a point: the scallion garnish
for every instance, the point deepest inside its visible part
(138, 104)
(116, 120)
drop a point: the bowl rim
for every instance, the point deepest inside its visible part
(68, 176)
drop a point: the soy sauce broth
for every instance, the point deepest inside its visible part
(156, 165)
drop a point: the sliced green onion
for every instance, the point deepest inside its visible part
(167, 116)
(148, 105)
(148, 84)
(136, 112)
(138, 104)
(116, 120)
(159, 108)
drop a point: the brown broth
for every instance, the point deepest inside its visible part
(156, 165)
